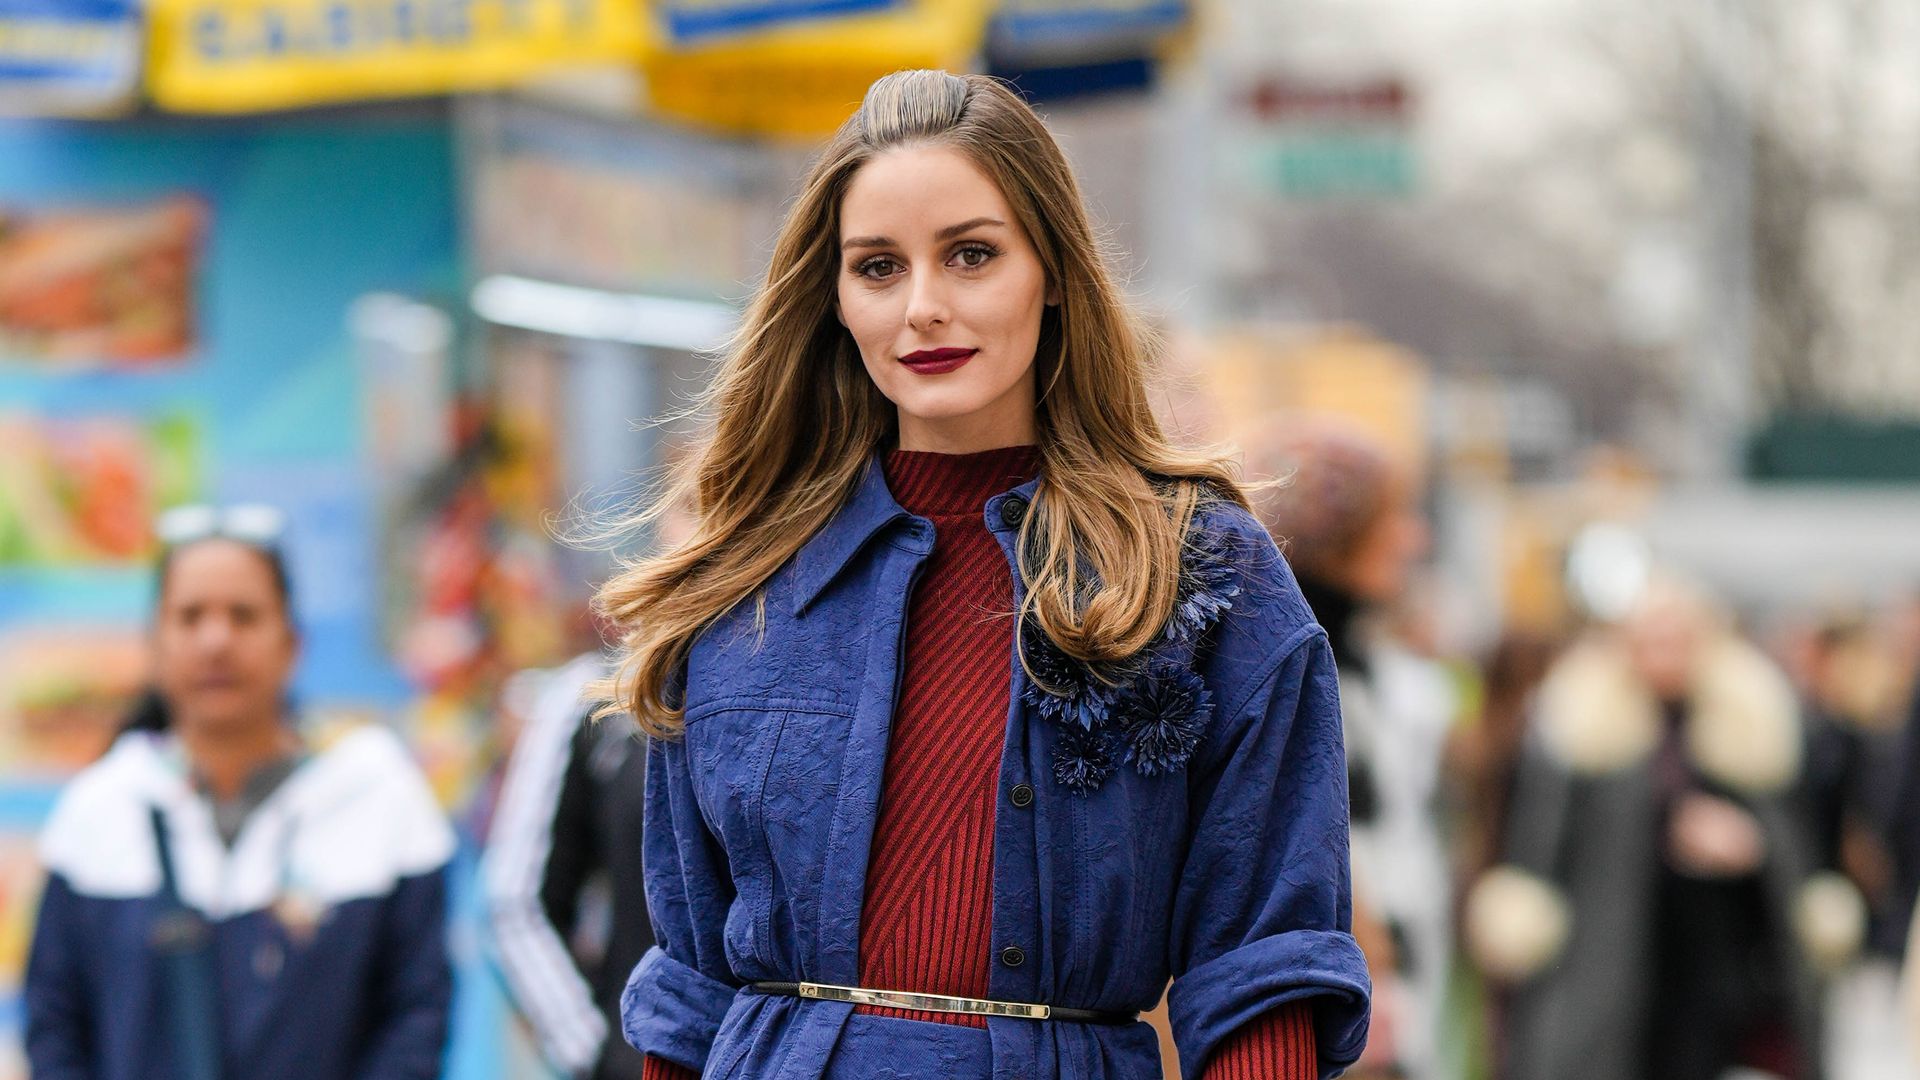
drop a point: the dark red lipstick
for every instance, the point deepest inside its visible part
(936, 361)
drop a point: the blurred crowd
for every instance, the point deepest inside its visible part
(1668, 840)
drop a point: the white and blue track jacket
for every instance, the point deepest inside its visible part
(327, 920)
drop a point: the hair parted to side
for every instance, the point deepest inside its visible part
(795, 418)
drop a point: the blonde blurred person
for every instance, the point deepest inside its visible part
(1659, 915)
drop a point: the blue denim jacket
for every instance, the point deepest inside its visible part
(1229, 876)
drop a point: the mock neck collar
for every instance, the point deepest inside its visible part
(950, 485)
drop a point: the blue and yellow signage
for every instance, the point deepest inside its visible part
(1085, 24)
(697, 20)
(247, 55)
(68, 56)
(801, 81)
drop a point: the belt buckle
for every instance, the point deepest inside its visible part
(898, 999)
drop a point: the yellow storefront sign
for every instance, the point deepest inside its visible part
(804, 80)
(245, 55)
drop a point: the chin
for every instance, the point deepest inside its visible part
(220, 714)
(940, 411)
(945, 404)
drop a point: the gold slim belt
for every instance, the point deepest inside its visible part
(941, 1003)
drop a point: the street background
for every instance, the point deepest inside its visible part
(1626, 283)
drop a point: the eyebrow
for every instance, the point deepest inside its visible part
(947, 233)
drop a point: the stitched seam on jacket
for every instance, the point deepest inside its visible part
(760, 703)
(1272, 665)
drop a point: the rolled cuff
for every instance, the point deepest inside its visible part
(1210, 1002)
(671, 1011)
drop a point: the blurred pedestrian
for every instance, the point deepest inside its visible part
(565, 895)
(1486, 756)
(1903, 826)
(1852, 763)
(979, 710)
(1910, 992)
(227, 897)
(1348, 520)
(1659, 917)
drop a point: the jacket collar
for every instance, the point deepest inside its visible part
(869, 510)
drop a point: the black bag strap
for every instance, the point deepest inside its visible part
(185, 944)
(163, 846)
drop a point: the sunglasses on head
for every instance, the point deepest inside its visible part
(249, 523)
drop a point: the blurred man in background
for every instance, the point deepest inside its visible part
(228, 896)
(564, 891)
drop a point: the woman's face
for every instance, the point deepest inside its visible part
(943, 292)
(224, 648)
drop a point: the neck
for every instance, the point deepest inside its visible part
(937, 439)
(226, 755)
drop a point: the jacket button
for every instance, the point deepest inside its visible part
(1013, 510)
(1012, 956)
(1022, 795)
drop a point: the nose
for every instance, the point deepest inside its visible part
(214, 633)
(926, 302)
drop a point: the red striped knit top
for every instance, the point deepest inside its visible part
(927, 920)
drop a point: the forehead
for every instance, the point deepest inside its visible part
(923, 188)
(219, 571)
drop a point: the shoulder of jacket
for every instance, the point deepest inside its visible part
(1268, 597)
(376, 816)
(98, 831)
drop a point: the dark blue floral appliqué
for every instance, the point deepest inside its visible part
(1163, 718)
(1208, 584)
(1150, 712)
(1062, 689)
(1084, 759)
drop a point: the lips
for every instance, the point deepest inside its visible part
(936, 361)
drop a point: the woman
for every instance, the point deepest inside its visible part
(978, 710)
(226, 898)
(1349, 516)
(1659, 916)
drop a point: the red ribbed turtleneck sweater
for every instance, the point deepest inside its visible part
(927, 921)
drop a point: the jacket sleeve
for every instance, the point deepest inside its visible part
(538, 857)
(1263, 906)
(681, 989)
(59, 1019)
(413, 987)
(410, 991)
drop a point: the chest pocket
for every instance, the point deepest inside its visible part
(767, 775)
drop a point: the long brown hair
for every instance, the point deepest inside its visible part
(795, 418)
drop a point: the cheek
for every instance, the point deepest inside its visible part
(278, 651)
(1012, 306)
(868, 318)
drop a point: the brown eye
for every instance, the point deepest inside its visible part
(974, 256)
(880, 266)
